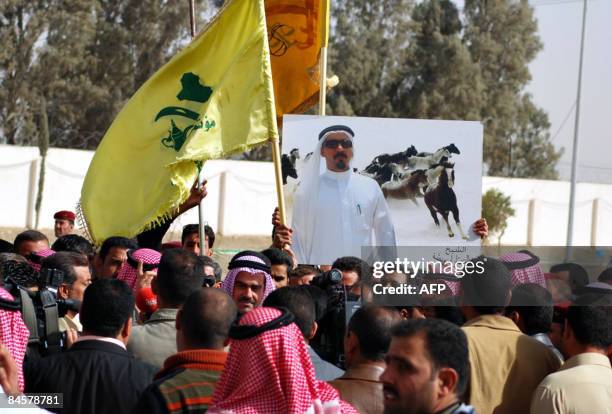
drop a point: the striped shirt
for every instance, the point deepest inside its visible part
(185, 384)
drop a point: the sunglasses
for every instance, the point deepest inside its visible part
(334, 143)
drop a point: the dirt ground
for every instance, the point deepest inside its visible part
(225, 246)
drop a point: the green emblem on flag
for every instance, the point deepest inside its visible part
(192, 90)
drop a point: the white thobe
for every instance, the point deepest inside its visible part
(351, 212)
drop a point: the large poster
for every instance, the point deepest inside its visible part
(354, 182)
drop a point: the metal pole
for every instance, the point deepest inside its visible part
(572, 200)
(201, 220)
(192, 23)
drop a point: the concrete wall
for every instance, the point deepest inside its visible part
(240, 201)
(542, 210)
(241, 198)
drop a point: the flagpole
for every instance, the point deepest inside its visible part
(276, 160)
(322, 81)
(192, 23)
(201, 221)
(324, 31)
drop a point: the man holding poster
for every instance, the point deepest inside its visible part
(337, 211)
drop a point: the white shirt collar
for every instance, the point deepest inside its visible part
(339, 176)
(101, 338)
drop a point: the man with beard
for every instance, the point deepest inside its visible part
(248, 281)
(350, 204)
(427, 369)
(336, 211)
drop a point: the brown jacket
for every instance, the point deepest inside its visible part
(361, 387)
(506, 366)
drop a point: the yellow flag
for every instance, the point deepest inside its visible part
(297, 29)
(213, 98)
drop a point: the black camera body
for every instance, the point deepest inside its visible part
(41, 310)
(341, 304)
(208, 281)
(325, 280)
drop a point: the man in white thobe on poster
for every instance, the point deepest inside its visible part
(337, 211)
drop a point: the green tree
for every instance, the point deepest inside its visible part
(63, 75)
(87, 57)
(22, 24)
(364, 52)
(439, 79)
(532, 154)
(502, 39)
(497, 209)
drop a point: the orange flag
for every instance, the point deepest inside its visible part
(297, 29)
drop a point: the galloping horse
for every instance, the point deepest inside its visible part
(408, 188)
(443, 200)
(428, 161)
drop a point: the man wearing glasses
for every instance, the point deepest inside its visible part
(337, 211)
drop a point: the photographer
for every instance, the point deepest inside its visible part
(212, 269)
(354, 271)
(76, 277)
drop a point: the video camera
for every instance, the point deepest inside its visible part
(208, 281)
(41, 308)
(341, 304)
(327, 279)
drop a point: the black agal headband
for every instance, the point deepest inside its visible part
(249, 331)
(343, 128)
(532, 261)
(240, 260)
(146, 267)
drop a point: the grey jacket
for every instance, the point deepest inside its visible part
(155, 341)
(324, 371)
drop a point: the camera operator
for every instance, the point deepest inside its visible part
(353, 272)
(212, 269)
(76, 278)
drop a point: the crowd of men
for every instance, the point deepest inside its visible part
(145, 327)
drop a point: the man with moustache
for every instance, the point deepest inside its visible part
(337, 211)
(248, 281)
(427, 370)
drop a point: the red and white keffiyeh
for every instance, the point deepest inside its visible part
(129, 274)
(272, 373)
(14, 335)
(228, 283)
(524, 268)
(36, 258)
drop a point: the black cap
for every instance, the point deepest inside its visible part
(336, 128)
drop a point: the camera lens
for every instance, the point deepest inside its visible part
(335, 275)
